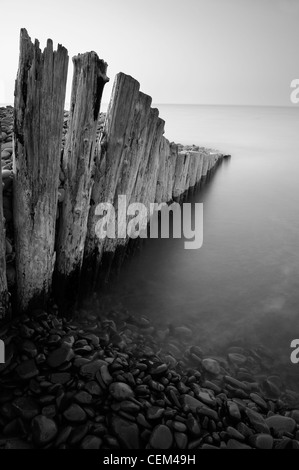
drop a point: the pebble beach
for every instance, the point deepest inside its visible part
(111, 380)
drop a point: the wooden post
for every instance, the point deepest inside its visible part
(79, 156)
(38, 122)
(113, 154)
(3, 282)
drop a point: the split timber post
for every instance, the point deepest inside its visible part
(3, 281)
(38, 123)
(79, 156)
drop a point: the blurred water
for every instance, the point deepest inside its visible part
(242, 286)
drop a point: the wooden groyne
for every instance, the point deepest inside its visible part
(56, 193)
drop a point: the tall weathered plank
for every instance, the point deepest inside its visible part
(113, 154)
(38, 121)
(89, 80)
(3, 281)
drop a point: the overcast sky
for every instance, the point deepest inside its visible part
(181, 51)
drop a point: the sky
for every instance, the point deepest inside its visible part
(227, 52)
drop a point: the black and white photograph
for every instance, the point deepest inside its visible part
(149, 229)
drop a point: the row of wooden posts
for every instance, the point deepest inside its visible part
(131, 157)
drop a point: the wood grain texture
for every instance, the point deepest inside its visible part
(89, 79)
(38, 121)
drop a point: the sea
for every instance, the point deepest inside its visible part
(241, 288)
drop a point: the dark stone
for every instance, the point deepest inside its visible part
(27, 370)
(120, 391)
(126, 431)
(44, 430)
(161, 437)
(75, 414)
(59, 356)
(26, 407)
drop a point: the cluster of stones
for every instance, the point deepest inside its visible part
(6, 118)
(114, 381)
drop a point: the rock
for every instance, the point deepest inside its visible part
(59, 356)
(263, 441)
(281, 424)
(183, 332)
(91, 442)
(26, 407)
(93, 388)
(237, 359)
(154, 412)
(234, 434)
(257, 421)
(233, 410)
(27, 370)
(211, 366)
(161, 437)
(120, 391)
(192, 402)
(75, 414)
(126, 431)
(159, 369)
(295, 415)
(233, 444)
(181, 440)
(29, 348)
(89, 370)
(105, 375)
(179, 427)
(193, 426)
(60, 377)
(83, 398)
(204, 395)
(44, 430)
(259, 401)
(236, 383)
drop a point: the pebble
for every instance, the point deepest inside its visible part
(161, 437)
(211, 366)
(91, 442)
(126, 431)
(281, 424)
(120, 391)
(44, 430)
(263, 441)
(75, 414)
(257, 421)
(59, 356)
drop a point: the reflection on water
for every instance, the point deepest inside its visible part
(242, 286)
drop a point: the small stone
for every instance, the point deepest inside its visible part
(281, 424)
(44, 430)
(211, 366)
(181, 440)
(60, 377)
(126, 431)
(29, 348)
(105, 375)
(27, 370)
(89, 370)
(26, 407)
(258, 400)
(237, 359)
(263, 441)
(93, 388)
(154, 412)
(59, 356)
(295, 415)
(75, 414)
(233, 410)
(233, 444)
(83, 398)
(91, 442)
(179, 427)
(159, 369)
(161, 437)
(233, 433)
(120, 391)
(257, 421)
(192, 402)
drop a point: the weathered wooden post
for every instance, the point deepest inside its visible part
(3, 282)
(38, 122)
(113, 154)
(89, 80)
